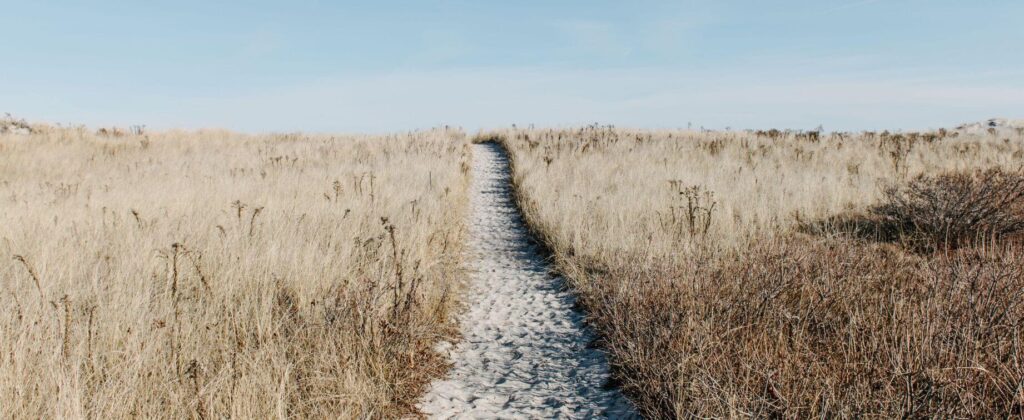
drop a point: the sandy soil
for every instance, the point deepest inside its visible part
(524, 351)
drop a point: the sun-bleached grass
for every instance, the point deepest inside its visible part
(718, 271)
(211, 274)
(638, 183)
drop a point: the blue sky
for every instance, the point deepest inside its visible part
(398, 65)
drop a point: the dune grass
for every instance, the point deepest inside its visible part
(210, 274)
(780, 274)
(730, 274)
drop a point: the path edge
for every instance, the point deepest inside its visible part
(544, 246)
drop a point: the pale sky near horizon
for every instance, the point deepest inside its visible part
(399, 65)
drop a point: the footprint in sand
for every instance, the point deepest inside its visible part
(524, 350)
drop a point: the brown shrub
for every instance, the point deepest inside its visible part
(741, 323)
(816, 328)
(955, 209)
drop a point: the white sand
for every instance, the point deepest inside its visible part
(1002, 125)
(524, 350)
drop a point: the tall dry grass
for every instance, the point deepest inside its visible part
(729, 274)
(210, 274)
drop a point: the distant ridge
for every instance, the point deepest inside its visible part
(998, 124)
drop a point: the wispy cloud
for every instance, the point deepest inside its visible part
(477, 98)
(595, 37)
(850, 5)
(260, 44)
(440, 45)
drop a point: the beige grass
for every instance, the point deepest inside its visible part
(210, 274)
(687, 250)
(631, 184)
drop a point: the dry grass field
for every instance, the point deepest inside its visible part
(210, 274)
(728, 274)
(775, 274)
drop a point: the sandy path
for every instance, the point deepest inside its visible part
(524, 350)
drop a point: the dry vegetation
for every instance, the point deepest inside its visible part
(210, 274)
(784, 274)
